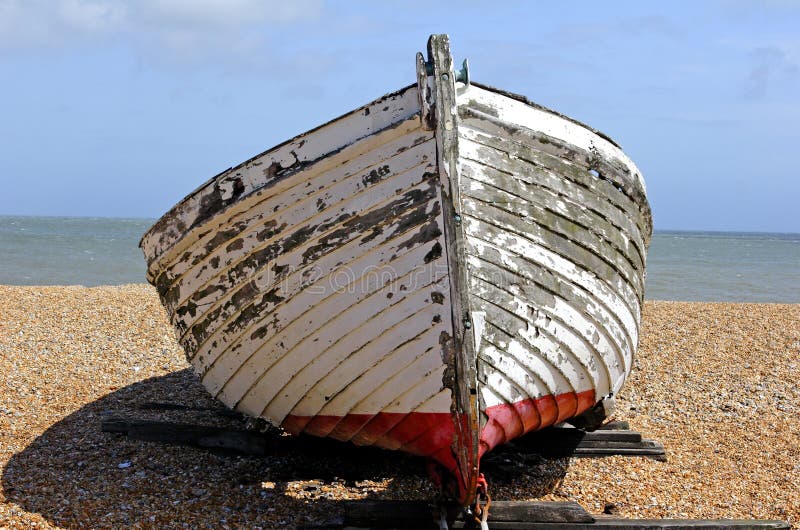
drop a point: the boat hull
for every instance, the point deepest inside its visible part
(438, 272)
(556, 238)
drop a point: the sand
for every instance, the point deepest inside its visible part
(715, 383)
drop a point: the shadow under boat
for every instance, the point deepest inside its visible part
(75, 474)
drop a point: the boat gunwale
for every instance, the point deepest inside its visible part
(524, 99)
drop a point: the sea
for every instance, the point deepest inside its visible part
(687, 266)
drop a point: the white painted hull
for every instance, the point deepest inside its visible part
(439, 271)
(556, 235)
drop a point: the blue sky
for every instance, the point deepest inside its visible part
(114, 108)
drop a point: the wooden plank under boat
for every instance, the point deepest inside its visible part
(439, 271)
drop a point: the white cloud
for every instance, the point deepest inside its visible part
(230, 13)
(90, 17)
(38, 23)
(172, 30)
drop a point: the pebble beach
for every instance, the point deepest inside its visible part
(716, 383)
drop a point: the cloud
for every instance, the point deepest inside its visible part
(175, 30)
(233, 12)
(37, 23)
(90, 17)
(770, 66)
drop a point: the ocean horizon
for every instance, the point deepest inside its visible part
(682, 265)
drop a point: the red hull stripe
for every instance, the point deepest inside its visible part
(420, 433)
(504, 419)
(376, 427)
(431, 434)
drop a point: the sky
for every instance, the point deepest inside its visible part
(120, 108)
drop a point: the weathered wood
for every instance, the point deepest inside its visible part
(492, 224)
(560, 331)
(591, 443)
(546, 206)
(293, 216)
(389, 513)
(550, 171)
(533, 180)
(379, 512)
(539, 511)
(551, 442)
(466, 406)
(643, 524)
(207, 437)
(654, 453)
(515, 119)
(426, 95)
(526, 515)
(687, 524)
(606, 524)
(495, 163)
(284, 228)
(570, 442)
(560, 434)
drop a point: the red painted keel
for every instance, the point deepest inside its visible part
(433, 434)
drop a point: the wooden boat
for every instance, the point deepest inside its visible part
(439, 271)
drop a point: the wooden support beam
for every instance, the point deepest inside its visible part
(242, 441)
(553, 442)
(571, 442)
(379, 514)
(524, 515)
